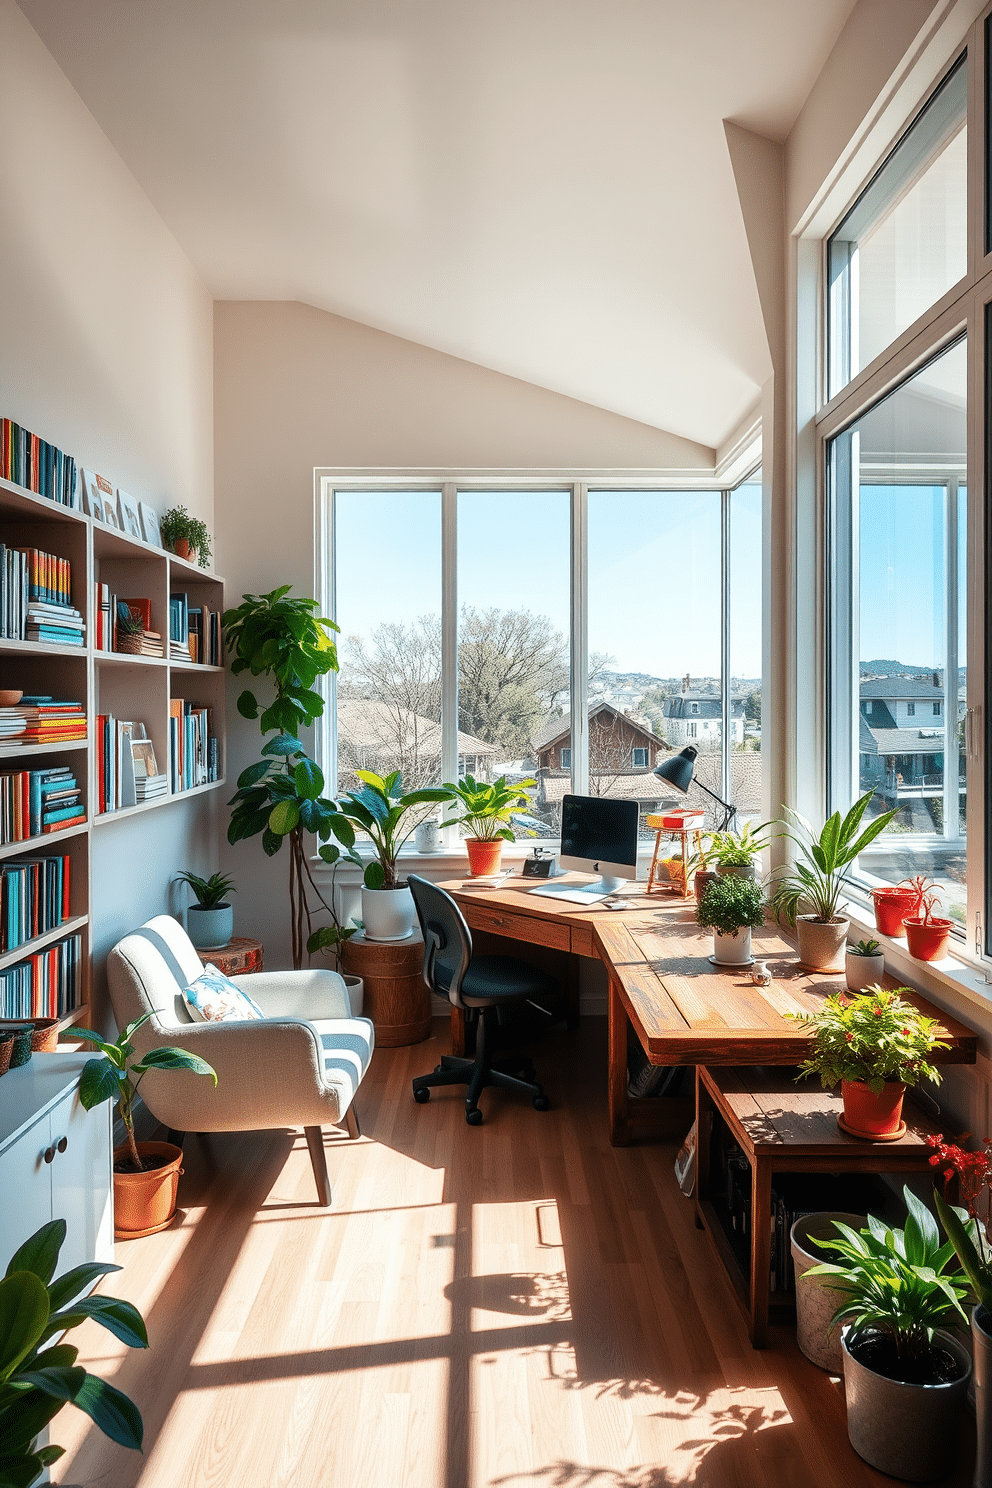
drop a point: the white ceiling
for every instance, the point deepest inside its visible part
(539, 186)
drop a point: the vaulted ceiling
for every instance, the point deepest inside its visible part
(539, 186)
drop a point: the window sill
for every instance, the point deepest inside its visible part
(955, 982)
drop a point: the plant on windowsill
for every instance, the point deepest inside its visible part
(737, 852)
(185, 535)
(488, 809)
(874, 1045)
(817, 880)
(210, 921)
(38, 1377)
(927, 934)
(146, 1174)
(732, 907)
(864, 964)
(904, 1377)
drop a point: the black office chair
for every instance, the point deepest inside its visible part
(482, 986)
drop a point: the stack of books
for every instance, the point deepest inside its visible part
(204, 637)
(149, 785)
(193, 753)
(179, 649)
(33, 462)
(59, 625)
(44, 986)
(36, 598)
(43, 721)
(34, 803)
(125, 761)
(34, 898)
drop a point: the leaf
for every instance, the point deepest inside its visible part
(309, 779)
(99, 1082)
(74, 1282)
(253, 774)
(247, 704)
(283, 817)
(120, 1318)
(271, 843)
(24, 1312)
(61, 1384)
(116, 1415)
(40, 1252)
(283, 744)
(342, 829)
(375, 875)
(172, 1059)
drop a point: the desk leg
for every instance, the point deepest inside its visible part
(617, 1074)
(458, 1033)
(761, 1248)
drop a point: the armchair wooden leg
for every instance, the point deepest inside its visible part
(351, 1117)
(318, 1161)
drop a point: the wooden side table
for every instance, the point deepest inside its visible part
(239, 957)
(683, 833)
(782, 1127)
(396, 996)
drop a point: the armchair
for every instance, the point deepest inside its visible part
(300, 1066)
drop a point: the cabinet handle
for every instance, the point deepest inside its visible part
(63, 1143)
(49, 1154)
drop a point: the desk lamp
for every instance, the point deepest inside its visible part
(678, 771)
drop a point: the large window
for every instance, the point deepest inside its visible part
(574, 636)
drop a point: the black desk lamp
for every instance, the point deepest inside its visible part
(678, 771)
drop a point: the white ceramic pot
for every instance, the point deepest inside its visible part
(732, 950)
(822, 943)
(388, 914)
(210, 929)
(356, 993)
(863, 971)
(427, 837)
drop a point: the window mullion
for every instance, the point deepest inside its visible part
(449, 635)
(725, 578)
(579, 662)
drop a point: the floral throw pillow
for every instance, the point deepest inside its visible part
(213, 998)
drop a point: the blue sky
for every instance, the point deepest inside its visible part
(902, 574)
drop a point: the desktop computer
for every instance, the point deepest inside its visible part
(598, 835)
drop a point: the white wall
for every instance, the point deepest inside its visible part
(106, 351)
(297, 388)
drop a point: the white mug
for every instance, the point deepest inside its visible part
(427, 836)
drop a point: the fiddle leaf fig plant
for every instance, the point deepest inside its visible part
(275, 636)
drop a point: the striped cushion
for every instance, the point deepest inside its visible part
(347, 1044)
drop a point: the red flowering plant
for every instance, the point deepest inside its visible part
(875, 1037)
(964, 1226)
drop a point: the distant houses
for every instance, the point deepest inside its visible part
(901, 734)
(693, 717)
(623, 752)
(383, 737)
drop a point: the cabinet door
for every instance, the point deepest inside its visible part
(26, 1182)
(82, 1192)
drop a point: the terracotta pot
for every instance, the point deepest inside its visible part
(704, 877)
(868, 1115)
(822, 943)
(928, 942)
(146, 1202)
(891, 908)
(483, 855)
(182, 548)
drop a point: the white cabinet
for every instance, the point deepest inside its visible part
(55, 1161)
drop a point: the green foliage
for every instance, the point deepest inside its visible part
(895, 1282)
(963, 1233)
(873, 1036)
(382, 811)
(488, 807)
(210, 892)
(274, 636)
(818, 876)
(864, 948)
(37, 1380)
(278, 794)
(178, 526)
(111, 1076)
(731, 903)
(737, 849)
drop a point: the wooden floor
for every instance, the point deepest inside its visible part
(517, 1305)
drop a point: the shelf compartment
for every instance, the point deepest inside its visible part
(68, 927)
(120, 658)
(17, 503)
(32, 845)
(170, 800)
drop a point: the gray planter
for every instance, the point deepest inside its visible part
(210, 929)
(908, 1431)
(822, 943)
(816, 1299)
(740, 870)
(981, 1336)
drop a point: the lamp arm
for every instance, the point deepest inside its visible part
(729, 811)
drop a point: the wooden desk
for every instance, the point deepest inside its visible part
(683, 1009)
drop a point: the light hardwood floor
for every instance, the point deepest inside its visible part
(516, 1305)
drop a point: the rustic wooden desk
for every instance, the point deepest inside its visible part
(682, 1009)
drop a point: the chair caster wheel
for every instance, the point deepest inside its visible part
(474, 1117)
(438, 1068)
(422, 1096)
(541, 1103)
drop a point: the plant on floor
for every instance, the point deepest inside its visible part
(209, 892)
(825, 859)
(731, 904)
(281, 638)
(875, 1037)
(111, 1075)
(39, 1377)
(178, 526)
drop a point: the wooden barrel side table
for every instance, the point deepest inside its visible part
(396, 998)
(239, 957)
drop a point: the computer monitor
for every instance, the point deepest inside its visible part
(597, 836)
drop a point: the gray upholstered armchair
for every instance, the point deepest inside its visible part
(300, 1066)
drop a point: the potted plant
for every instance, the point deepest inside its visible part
(905, 1378)
(487, 809)
(185, 535)
(864, 965)
(817, 880)
(130, 630)
(968, 1233)
(873, 1045)
(38, 1376)
(927, 934)
(388, 818)
(210, 921)
(732, 907)
(892, 903)
(736, 852)
(146, 1174)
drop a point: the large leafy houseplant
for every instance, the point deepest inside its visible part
(37, 1376)
(382, 811)
(824, 860)
(282, 639)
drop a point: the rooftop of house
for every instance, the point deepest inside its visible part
(701, 705)
(642, 786)
(366, 724)
(559, 727)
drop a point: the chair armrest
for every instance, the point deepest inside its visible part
(297, 994)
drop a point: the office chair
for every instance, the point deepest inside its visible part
(482, 986)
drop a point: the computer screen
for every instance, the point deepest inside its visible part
(599, 835)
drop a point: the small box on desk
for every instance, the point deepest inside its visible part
(675, 821)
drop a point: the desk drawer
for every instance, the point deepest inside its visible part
(531, 929)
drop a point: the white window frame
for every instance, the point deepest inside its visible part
(563, 763)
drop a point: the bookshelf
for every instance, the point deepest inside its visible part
(136, 687)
